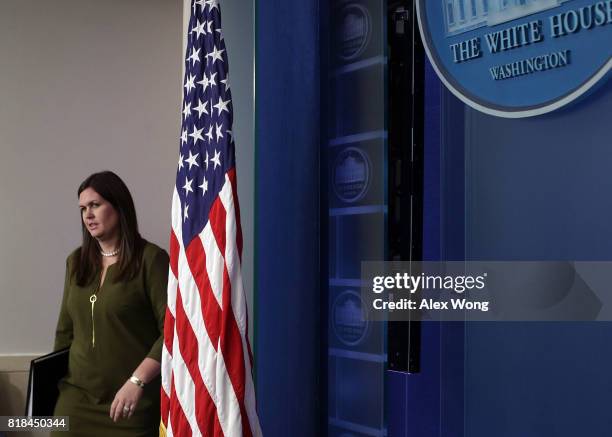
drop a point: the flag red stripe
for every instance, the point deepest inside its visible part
(174, 253)
(196, 258)
(165, 407)
(168, 330)
(205, 408)
(217, 224)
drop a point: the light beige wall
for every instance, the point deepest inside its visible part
(84, 86)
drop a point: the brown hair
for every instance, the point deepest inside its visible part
(110, 186)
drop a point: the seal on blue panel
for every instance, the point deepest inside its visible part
(518, 58)
(348, 318)
(351, 175)
(354, 31)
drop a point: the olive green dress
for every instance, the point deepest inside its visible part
(106, 347)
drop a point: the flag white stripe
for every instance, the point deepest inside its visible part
(214, 262)
(169, 432)
(166, 374)
(232, 260)
(177, 214)
(227, 396)
(172, 284)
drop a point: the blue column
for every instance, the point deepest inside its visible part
(286, 218)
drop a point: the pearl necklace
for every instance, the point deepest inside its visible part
(113, 253)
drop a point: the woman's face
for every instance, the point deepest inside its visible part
(99, 216)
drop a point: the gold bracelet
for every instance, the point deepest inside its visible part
(135, 380)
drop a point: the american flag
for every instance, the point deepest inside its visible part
(207, 386)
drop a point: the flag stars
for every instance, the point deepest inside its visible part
(218, 132)
(184, 137)
(209, 134)
(204, 186)
(222, 105)
(216, 159)
(206, 81)
(215, 55)
(189, 83)
(187, 186)
(195, 56)
(201, 108)
(226, 83)
(213, 4)
(192, 160)
(201, 3)
(196, 135)
(199, 29)
(186, 110)
(211, 131)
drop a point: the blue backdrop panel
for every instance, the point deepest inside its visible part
(523, 190)
(287, 215)
(539, 189)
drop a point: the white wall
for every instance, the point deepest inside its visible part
(84, 86)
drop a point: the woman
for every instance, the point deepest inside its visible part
(112, 318)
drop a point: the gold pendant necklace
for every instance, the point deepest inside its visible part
(93, 299)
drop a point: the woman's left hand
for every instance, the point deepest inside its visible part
(125, 401)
